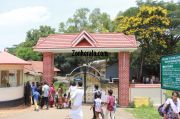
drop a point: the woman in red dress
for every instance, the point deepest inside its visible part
(51, 95)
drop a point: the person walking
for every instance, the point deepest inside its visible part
(95, 92)
(36, 96)
(45, 90)
(77, 98)
(110, 105)
(173, 105)
(51, 95)
(98, 106)
(60, 96)
(71, 90)
(27, 94)
(33, 87)
(41, 99)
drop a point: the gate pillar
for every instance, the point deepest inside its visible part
(48, 67)
(123, 62)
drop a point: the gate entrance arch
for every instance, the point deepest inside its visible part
(82, 72)
(92, 44)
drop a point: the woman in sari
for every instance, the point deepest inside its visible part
(51, 95)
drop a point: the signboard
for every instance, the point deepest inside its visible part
(170, 72)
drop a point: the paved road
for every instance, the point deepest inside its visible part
(53, 113)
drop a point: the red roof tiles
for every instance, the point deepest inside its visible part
(9, 59)
(36, 67)
(97, 40)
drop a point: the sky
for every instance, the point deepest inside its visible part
(19, 16)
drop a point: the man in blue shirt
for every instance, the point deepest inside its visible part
(33, 87)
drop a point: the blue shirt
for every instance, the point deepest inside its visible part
(36, 95)
(33, 89)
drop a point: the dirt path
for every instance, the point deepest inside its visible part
(53, 113)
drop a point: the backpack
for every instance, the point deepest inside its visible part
(161, 111)
(111, 103)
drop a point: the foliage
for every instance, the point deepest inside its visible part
(27, 53)
(132, 11)
(25, 49)
(148, 25)
(83, 20)
(155, 24)
(64, 86)
(177, 49)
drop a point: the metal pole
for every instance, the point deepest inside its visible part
(161, 83)
(85, 84)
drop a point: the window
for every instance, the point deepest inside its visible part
(11, 78)
(4, 78)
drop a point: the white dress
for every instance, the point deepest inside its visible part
(175, 108)
(76, 109)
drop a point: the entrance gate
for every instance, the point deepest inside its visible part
(90, 42)
(90, 76)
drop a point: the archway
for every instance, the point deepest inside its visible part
(90, 44)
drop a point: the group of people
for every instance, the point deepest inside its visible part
(110, 104)
(76, 99)
(41, 94)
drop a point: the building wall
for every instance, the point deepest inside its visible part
(11, 93)
(153, 91)
(16, 91)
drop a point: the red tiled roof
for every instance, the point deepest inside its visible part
(8, 59)
(36, 67)
(98, 40)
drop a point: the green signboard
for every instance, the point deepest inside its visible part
(170, 72)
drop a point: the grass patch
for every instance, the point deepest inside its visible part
(145, 112)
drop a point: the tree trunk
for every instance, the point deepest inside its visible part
(141, 66)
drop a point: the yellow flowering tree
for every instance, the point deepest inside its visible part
(149, 26)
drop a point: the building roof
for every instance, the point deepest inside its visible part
(9, 59)
(36, 67)
(85, 40)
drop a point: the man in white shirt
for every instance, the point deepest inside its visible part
(71, 90)
(77, 99)
(45, 90)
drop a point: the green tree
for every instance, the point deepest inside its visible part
(132, 11)
(100, 22)
(84, 20)
(78, 22)
(149, 26)
(25, 50)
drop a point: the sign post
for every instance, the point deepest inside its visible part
(170, 72)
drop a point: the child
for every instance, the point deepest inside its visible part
(110, 105)
(65, 100)
(36, 96)
(56, 99)
(98, 106)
